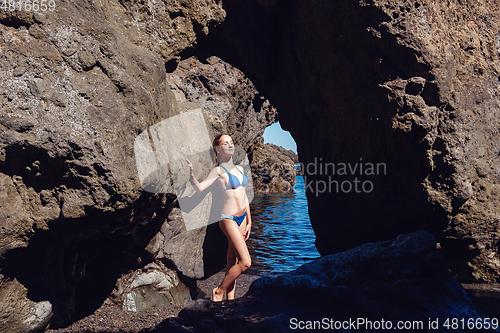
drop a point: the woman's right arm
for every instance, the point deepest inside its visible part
(201, 186)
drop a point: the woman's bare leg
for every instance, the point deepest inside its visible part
(237, 241)
(231, 261)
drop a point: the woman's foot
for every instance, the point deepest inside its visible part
(231, 291)
(215, 296)
(230, 295)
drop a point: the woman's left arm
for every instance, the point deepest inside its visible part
(249, 223)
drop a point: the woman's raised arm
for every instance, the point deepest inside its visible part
(201, 186)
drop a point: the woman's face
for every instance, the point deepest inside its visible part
(226, 145)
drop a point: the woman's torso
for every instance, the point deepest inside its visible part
(235, 200)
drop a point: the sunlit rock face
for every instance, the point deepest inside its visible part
(400, 100)
(273, 168)
(228, 98)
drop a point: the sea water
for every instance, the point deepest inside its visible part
(282, 238)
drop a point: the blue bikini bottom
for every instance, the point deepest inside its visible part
(238, 219)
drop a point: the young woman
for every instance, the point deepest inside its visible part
(235, 218)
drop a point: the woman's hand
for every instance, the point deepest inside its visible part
(201, 186)
(249, 223)
(247, 230)
(189, 164)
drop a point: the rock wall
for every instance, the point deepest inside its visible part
(78, 85)
(400, 99)
(234, 106)
(74, 95)
(231, 104)
(394, 106)
(272, 168)
(228, 98)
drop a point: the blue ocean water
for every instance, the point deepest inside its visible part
(282, 238)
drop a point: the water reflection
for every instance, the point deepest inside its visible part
(282, 237)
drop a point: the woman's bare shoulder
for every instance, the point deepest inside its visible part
(216, 170)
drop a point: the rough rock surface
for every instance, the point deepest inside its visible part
(110, 318)
(272, 168)
(234, 106)
(410, 85)
(24, 315)
(404, 279)
(78, 84)
(154, 285)
(228, 98)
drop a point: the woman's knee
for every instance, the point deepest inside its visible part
(245, 263)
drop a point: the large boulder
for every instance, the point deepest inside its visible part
(394, 107)
(376, 286)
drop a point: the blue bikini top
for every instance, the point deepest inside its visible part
(234, 182)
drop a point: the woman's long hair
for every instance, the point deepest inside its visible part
(216, 143)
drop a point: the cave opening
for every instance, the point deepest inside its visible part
(346, 88)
